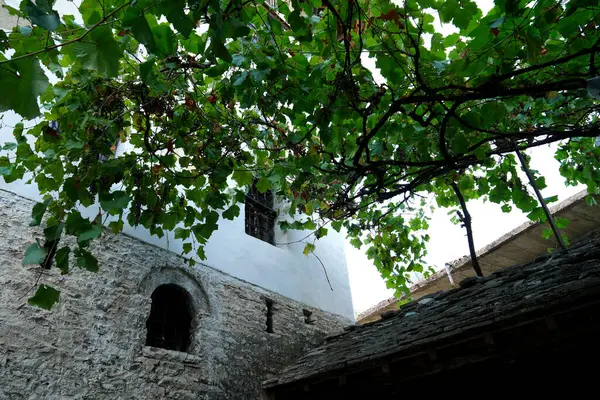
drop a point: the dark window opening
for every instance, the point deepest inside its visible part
(170, 319)
(308, 318)
(269, 315)
(260, 215)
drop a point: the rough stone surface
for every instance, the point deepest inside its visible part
(92, 344)
(7, 21)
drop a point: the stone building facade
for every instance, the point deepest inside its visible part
(6, 20)
(91, 345)
(256, 305)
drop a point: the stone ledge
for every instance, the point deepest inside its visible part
(170, 355)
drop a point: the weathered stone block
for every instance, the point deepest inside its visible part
(92, 344)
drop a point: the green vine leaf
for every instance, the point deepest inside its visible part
(100, 52)
(23, 82)
(114, 202)
(220, 51)
(309, 248)
(165, 41)
(37, 212)
(140, 29)
(232, 212)
(263, 185)
(175, 14)
(45, 297)
(62, 260)
(235, 28)
(86, 260)
(41, 14)
(242, 178)
(93, 232)
(35, 254)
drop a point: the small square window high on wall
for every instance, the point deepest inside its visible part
(260, 215)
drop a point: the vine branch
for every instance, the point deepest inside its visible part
(465, 218)
(542, 202)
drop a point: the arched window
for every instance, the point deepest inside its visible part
(170, 318)
(260, 215)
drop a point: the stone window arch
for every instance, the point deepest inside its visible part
(169, 324)
(172, 288)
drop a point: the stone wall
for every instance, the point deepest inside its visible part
(7, 21)
(91, 345)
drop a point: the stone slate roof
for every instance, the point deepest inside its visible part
(550, 280)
